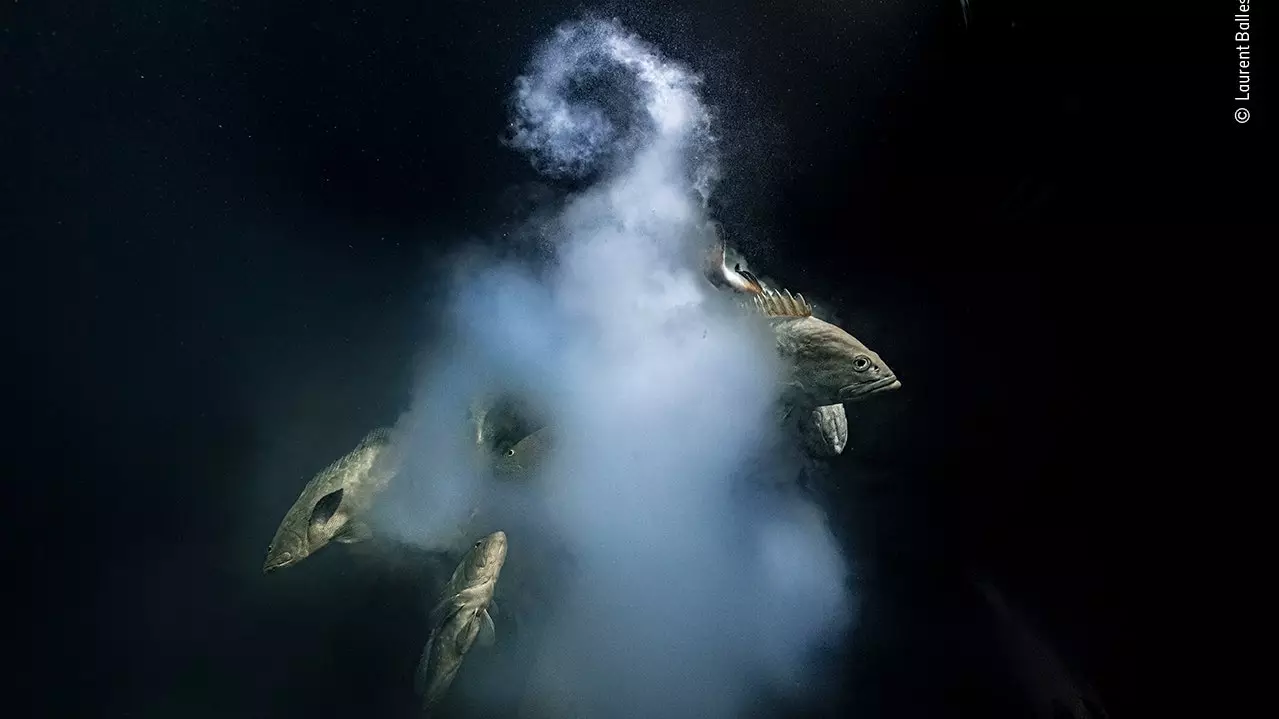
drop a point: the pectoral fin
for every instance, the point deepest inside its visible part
(488, 632)
(354, 532)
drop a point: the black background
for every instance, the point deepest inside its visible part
(220, 214)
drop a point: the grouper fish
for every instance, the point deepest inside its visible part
(827, 365)
(461, 618)
(332, 505)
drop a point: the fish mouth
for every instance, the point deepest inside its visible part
(274, 564)
(497, 542)
(855, 392)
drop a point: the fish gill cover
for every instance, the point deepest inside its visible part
(689, 588)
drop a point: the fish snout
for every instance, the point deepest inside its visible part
(277, 561)
(497, 547)
(490, 549)
(855, 392)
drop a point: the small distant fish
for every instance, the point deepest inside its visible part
(331, 505)
(825, 430)
(522, 459)
(461, 618)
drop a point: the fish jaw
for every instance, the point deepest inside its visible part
(276, 562)
(853, 393)
(298, 537)
(288, 548)
(485, 559)
(829, 365)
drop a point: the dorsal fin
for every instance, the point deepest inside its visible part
(332, 468)
(782, 304)
(381, 435)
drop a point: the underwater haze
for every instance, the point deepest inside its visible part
(690, 582)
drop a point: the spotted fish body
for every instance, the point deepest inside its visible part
(332, 505)
(461, 618)
(827, 365)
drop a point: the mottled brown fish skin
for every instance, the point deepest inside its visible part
(459, 617)
(330, 505)
(828, 365)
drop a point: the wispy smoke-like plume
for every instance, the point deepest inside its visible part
(595, 95)
(691, 583)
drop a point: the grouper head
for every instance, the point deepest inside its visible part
(827, 364)
(522, 459)
(327, 509)
(485, 558)
(833, 361)
(309, 525)
(287, 548)
(498, 422)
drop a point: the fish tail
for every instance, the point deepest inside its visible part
(754, 286)
(721, 275)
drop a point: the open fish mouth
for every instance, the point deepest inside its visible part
(884, 384)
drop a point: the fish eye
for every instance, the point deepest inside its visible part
(861, 363)
(477, 544)
(510, 452)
